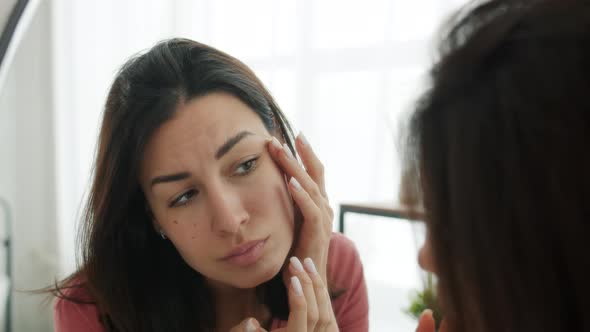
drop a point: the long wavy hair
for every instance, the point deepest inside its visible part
(502, 136)
(138, 281)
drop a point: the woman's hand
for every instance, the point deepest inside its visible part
(309, 303)
(307, 187)
(426, 323)
(247, 325)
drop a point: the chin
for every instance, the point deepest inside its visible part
(257, 277)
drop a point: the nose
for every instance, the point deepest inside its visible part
(425, 257)
(227, 211)
(422, 260)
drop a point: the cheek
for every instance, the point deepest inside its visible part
(270, 205)
(187, 229)
(271, 199)
(194, 244)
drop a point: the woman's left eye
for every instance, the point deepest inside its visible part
(247, 166)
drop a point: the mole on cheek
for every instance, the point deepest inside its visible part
(175, 221)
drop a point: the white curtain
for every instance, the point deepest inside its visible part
(342, 70)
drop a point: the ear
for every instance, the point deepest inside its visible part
(155, 223)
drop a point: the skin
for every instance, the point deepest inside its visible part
(307, 289)
(425, 257)
(307, 187)
(214, 179)
(220, 202)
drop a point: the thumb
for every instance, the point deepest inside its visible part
(426, 322)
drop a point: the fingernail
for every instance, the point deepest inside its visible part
(302, 139)
(296, 264)
(250, 327)
(310, 266)
(296, 286)
(276, 143)
(295, 183)
(287, 150)
(425, 312)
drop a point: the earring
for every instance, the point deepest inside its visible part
(162, 234)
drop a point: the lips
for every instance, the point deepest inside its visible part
(246, 254)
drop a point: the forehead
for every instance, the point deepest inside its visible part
(198, 128)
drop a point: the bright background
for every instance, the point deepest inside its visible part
(344, 71)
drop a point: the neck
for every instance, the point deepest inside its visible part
(233, 305)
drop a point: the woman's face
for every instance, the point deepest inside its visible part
(217, 194)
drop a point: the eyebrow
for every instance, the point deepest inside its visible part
(230, 143)
(170, 178)
(223, 149)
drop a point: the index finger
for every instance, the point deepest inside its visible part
(283, 155)
(426, 322)
(312, 163)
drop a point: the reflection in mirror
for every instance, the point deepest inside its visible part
(318, 66)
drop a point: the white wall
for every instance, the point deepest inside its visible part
(27, 171)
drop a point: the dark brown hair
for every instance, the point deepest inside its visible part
(138, 281)
(502, 138)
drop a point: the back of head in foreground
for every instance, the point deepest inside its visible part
(501, 138)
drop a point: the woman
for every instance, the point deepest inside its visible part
(196, 205)
(502, 138)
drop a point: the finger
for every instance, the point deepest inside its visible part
(426, 322)
(324, 304)
(314, 225)
(297, 306)
(329, 214)
(296, 269)
(310, 210)
(314, 229)
(284, 157)
(312, 163)
(247, 325)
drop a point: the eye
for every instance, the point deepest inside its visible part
(184, 198)
(246, 167)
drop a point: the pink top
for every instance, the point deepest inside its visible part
(345, 272)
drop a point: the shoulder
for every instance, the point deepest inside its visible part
(74, 310)
(340, 241)
(347, 284)
(342, 254)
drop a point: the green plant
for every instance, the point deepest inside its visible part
(425, 299)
